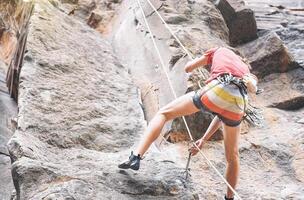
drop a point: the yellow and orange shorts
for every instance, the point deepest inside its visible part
(226, 101)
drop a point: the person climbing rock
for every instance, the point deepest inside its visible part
(225, 95)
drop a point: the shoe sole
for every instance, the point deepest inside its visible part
(129, 167)
(134, 167)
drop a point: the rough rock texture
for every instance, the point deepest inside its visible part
(286, 18)
(79, 112)
(78, 108)
(240, 21)
(199, 25)
(267, 55)
(97, 14)
(8, 110)
(11, 20)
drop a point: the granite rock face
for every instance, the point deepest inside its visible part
(74, 100)
(9, 12)
(97, 14)
(8, 110)
(80, 112)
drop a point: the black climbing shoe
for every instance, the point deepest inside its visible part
(229, 198)
(133, 162)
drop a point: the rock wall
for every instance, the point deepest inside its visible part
(97, 14)
(13, 17)
(80, 113)
(8, 110)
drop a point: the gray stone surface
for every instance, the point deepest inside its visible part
(8, 110)
(78, 113)
(97, 14)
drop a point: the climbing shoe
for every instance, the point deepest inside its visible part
(133, 162)
(226, 198)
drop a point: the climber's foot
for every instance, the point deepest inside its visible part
(226, 198)
(132, 163)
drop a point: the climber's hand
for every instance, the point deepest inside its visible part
(199, 143)
(189, 66)
(251, 82)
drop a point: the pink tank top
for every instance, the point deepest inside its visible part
(223, 61)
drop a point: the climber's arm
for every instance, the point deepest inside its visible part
(191, 65)
(213, 127)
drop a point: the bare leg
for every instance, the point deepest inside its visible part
(179, 107)
(231, 139)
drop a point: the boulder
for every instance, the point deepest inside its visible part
(240, 21)
(268, 55)
(285, 19)
(283, 90)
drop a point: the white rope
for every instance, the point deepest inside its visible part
(175, 37)
(170, 30)
(173, 91)
(162, 63)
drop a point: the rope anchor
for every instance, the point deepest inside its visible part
(187, 170)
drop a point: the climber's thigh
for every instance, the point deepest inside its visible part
(181, 106)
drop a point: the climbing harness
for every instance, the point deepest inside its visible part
(173, 91)
(226, 79)
(253, 115)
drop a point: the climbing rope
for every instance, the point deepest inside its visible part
(173, 91)
(176, 38)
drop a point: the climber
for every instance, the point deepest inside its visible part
(225, 95)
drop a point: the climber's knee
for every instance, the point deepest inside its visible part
(166, 113)
(232, 158)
